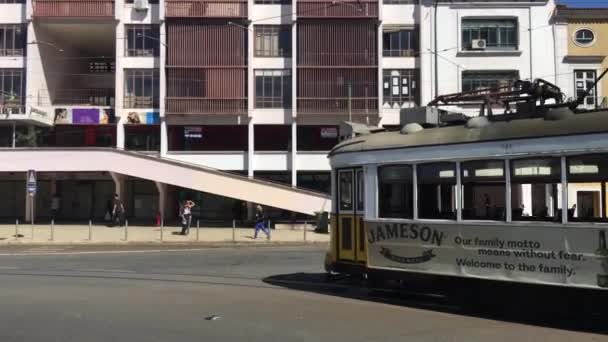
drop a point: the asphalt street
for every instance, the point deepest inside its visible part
(63, 293)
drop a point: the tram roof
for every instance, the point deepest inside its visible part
(581, 123)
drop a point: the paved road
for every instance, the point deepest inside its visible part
(49, 294)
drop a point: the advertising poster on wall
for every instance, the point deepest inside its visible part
(107, 116)
(329, 132)
(544, 255)
(193, 132)
(143, 118)
(62, 116)
(85, 116)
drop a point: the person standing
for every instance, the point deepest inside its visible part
(259, 223)
(118, 211)
(186, 214)
(55, 206)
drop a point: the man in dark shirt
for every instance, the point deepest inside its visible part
(118, 211)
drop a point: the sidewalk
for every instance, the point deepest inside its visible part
(79, 234)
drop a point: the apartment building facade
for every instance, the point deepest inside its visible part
(581, 50)
(256, 87)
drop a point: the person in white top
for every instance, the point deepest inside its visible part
(186, 215)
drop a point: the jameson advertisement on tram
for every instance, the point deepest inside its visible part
(545, 255)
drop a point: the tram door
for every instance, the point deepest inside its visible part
(351, 238)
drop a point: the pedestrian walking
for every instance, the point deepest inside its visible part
(260, 223)
(118, 211)
(186, 216)
(108, 216)
(55, 206)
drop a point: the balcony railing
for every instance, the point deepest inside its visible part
(337, 9)
(181, 105)
(80, 97)
(206, 9)
(359, 105)
(73, 8)
(140, 102)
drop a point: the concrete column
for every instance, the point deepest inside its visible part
(294, 67)
(119, 184)
(119, 81)
(294, 153)
(250, 148)
(162, 91)
(162, 199)
(30, 206)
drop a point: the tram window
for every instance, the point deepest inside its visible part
(587, 177)
(436, 191)
(483, 190)
(360, 191)
(395, 197)
(346, 190)
(536, 189)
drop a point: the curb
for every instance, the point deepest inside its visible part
(209, 244)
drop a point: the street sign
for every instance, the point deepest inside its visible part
(31, 182)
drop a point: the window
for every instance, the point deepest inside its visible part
(272, 40)
(483, 190)
(360, 191)
(316, 181)
(11, 91)
(399, 87)
(273, 88)
(142, 40)
(584, 37)
(12, 40)
(272, 2)
(587, 176)
(499, 34)
(398, 41)
(208, 138)
(436, 190)
(272, 137)
(142, 137)
(317, 138)
(141, 88)
(12, 1)
(535, 189)
(346, 190)
(400, 2)
(583, 80)
(476, 80)
(149, 1)
(395, 191)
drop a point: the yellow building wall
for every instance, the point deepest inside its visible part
(598, 48)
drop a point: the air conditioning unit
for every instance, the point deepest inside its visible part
(140, 5)
(476, 44)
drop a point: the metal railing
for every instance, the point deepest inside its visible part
(140, 102)
(73, 8)
(337, 9)
(206, 9)
(181, 105)
(359, 105)
(90, 97)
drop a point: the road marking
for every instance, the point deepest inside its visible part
(8, 268)
(45, 249)
(105, 270)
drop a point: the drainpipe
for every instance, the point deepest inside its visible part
(436, 52)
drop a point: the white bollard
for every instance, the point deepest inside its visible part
(52, 230)
(198, 227)
(233, 230)
(162, 225)
(305, 224)
(90, 230)
(16, 229)
(126, 230)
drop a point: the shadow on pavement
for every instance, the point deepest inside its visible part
(506, 302)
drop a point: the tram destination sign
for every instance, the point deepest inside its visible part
(543, 254)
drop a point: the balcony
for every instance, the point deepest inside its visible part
(197, 105)
(342, 9)
(74, 8)
(338, 105)
(78, 97)
(206, 9)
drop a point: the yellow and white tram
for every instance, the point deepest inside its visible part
(520, 201)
